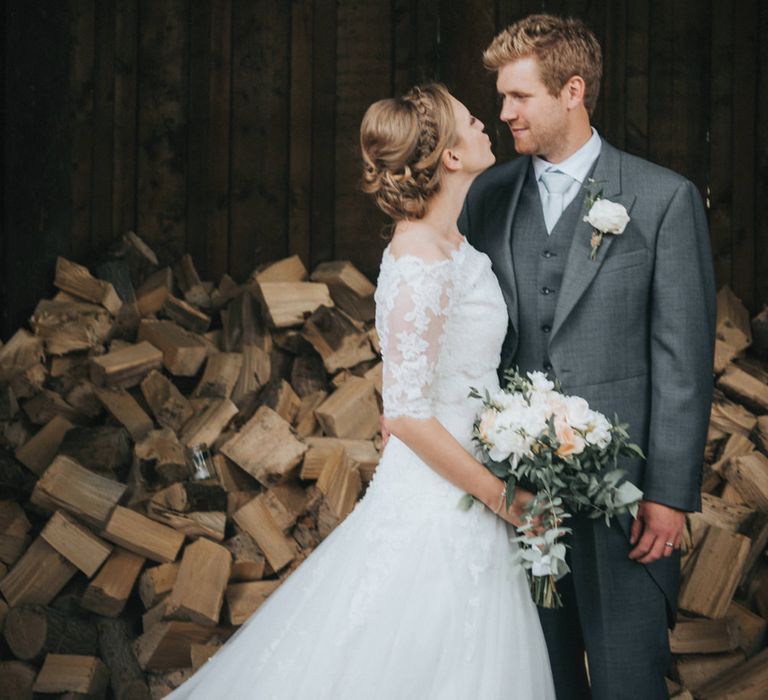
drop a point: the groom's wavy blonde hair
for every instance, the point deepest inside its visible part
(563, 46)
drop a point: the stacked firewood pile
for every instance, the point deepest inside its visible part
(719, 643)
(171, 451)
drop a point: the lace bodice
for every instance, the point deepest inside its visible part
(441, 325)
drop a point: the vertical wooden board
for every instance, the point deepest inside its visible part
(124, 117)
(612, 101)
(405, 46)
(208, 135)
(636, 125)
(162, 125)
(323, 132)
(745, 26)
(299, 232)
(678, 119)
(82, 34)
(103, 131)
(761, 224)
(720, 195)
(259, 140)
(362, 77)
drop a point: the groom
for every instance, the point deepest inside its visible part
(624, 320)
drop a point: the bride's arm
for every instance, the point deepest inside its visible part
(443, 453)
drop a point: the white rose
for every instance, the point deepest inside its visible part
(608, 217)
(599, 431)
(577, 412)
(540, 382)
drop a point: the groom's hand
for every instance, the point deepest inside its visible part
(656, 525)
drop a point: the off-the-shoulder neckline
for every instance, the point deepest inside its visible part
(427, 263)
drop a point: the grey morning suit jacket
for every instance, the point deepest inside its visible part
(633, 331)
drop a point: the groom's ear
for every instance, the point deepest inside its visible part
(573, 91)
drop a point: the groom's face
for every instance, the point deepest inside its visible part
(537, 119)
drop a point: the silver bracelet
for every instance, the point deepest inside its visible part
(502, 499)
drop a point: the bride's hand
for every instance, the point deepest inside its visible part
(516, 511)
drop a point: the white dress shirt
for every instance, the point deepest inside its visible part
(577, 166)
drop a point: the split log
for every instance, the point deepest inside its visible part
(183, 352)
(79, 674)
(728, 516)
(169, 406)
(143, 536)
(254, 518)
(162, 684)
(735, 445)
(760, 331)
(162, 455)
(76, 280)
(186, 315)
(153, 292)
(198, 591)
(752, 628)
(363, 453)
(125, 675)
(243, 325)
(108, 593)
(156, 582)
(285, 270)
(126, 411)
(724, 355)
(697, 670)
(733, 326)
(38, 452)
(189, 282)
(340, 483)
(254, 373)
(711, 583)
(749, 476)
(248, 561)
(82, 397)
(33, 631)
(140, 259)
(730, 417)
(341, 342)
(103, 449)
(14, 531)
(22, 351)
(305, 420)
(66, 484)
(288, 303)
(200, 653)
(743, 682)
(265, 447)
(351, 411)
(38, 576)
(186, 497)
(205, 428)
(67, 326)
(127, 366)
(350, 289)
(746, 388)
(166, 645)
(222, 371)
(281, 398)
(243, 599)
(210, 524)
(704, 636)
(285, 502)
(75, 543)
(18, 679)
(231, 477)
(15, 480)
(42, 407)
(308, 375)
(375, 375)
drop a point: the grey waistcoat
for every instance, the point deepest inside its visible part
(539, 261)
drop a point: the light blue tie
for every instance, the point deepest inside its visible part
(556, 184)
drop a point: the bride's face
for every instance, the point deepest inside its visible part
(473, 145)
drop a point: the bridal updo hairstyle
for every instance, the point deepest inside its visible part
(402, 140)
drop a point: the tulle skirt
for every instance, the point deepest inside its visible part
(410, 597)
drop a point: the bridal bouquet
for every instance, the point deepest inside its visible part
(562, 451)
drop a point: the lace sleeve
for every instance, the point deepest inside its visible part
(412, 305)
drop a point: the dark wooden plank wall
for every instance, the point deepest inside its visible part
(228, 128)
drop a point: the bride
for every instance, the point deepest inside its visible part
(411, 597)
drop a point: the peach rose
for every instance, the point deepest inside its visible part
(571, 443)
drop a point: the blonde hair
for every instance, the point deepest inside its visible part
(402, 140)
(564, 47)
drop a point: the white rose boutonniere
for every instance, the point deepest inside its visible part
(605, 217)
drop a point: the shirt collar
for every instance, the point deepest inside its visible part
(577, 165)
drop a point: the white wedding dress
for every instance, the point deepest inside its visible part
(410, 598)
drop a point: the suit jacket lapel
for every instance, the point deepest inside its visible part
(500, 245)
(580, 270)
